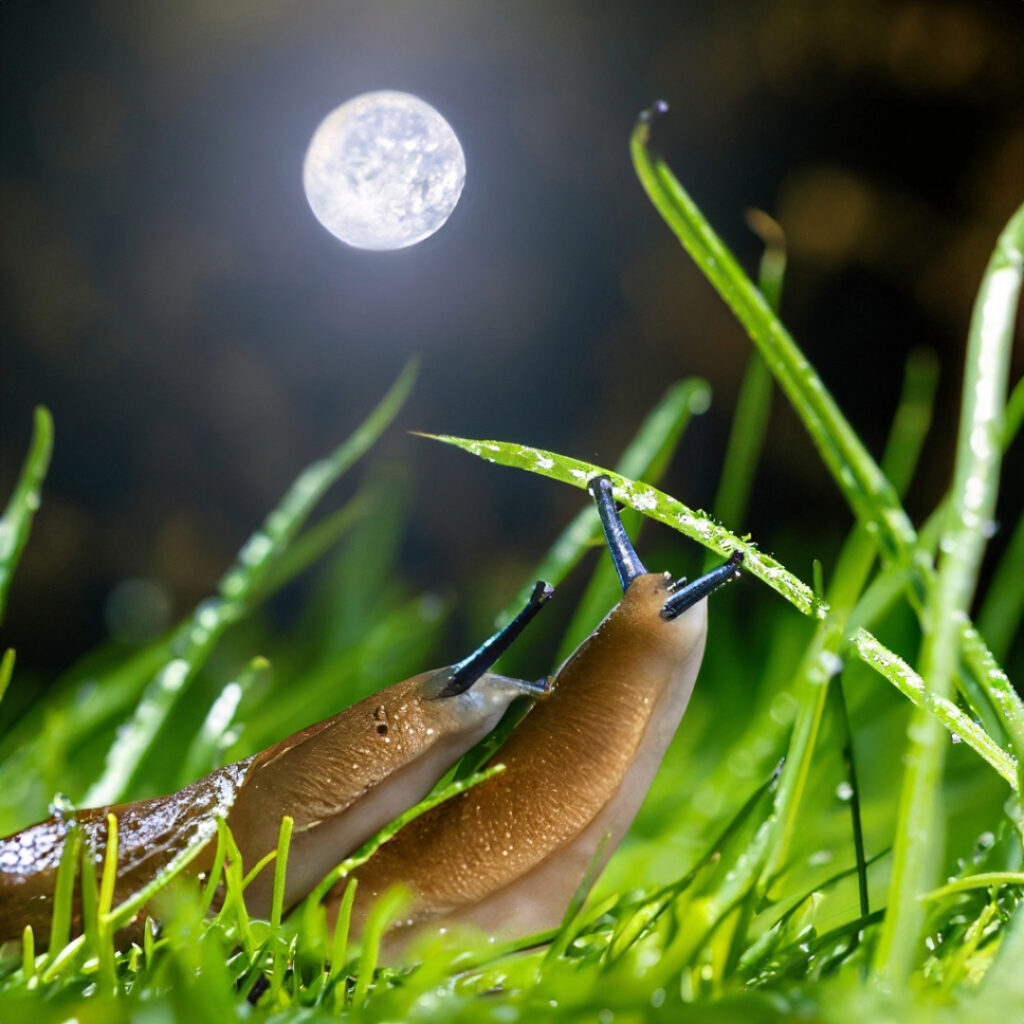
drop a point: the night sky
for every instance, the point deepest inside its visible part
(200, 338)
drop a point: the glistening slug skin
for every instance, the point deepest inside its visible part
(341, 780)
(508, 855)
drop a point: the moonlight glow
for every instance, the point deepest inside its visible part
(383, 171)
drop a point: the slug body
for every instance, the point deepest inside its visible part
(508, 855)
(341, 780)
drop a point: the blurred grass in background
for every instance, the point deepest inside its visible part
(197, 335)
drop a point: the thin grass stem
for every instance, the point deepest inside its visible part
(16, 522)
(893, 668)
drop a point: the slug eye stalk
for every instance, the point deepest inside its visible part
(687, 596)
(466, 672)
(627, 562)
(628, 565)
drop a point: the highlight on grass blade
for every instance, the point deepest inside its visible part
(893, 668)
(652, 503)
(16, 522)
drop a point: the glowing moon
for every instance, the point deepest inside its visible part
(383, 171)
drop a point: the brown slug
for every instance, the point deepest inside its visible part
(507, 855)
(341, 780)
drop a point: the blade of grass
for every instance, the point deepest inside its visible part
(342, 925)
(987, 880)
(893, 668)
(234, 889)
(28, 955)
(64, 892)
(859, 476)
(6, 671)
(16, 522)
(104, 934)
(311, 545)
(238, 589)
(90, 894)
(999, 689)
(653, 503)
(284, 840)
(871, 496)
(919, 836)
(209, 741)
(384, 911)
(856, 826)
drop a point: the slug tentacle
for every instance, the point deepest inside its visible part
(627, 563)
(470, 669)
(688, 595)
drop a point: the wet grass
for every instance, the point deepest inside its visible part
(835, 833)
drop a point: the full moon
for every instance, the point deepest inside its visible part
(383, 171)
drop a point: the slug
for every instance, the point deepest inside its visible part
(507, 855)
(341, 780)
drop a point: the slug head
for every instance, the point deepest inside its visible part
(661, 596)
(414, 729)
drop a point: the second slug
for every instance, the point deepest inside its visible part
(341, 780)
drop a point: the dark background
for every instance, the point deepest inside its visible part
(200, 338)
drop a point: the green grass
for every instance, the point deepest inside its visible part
(835, 833)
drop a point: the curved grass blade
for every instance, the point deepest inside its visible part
(986, 880)
(653, 503)
(867, 490)
(858, 475)
(16, 522)
(239, 588)
(893, 668)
